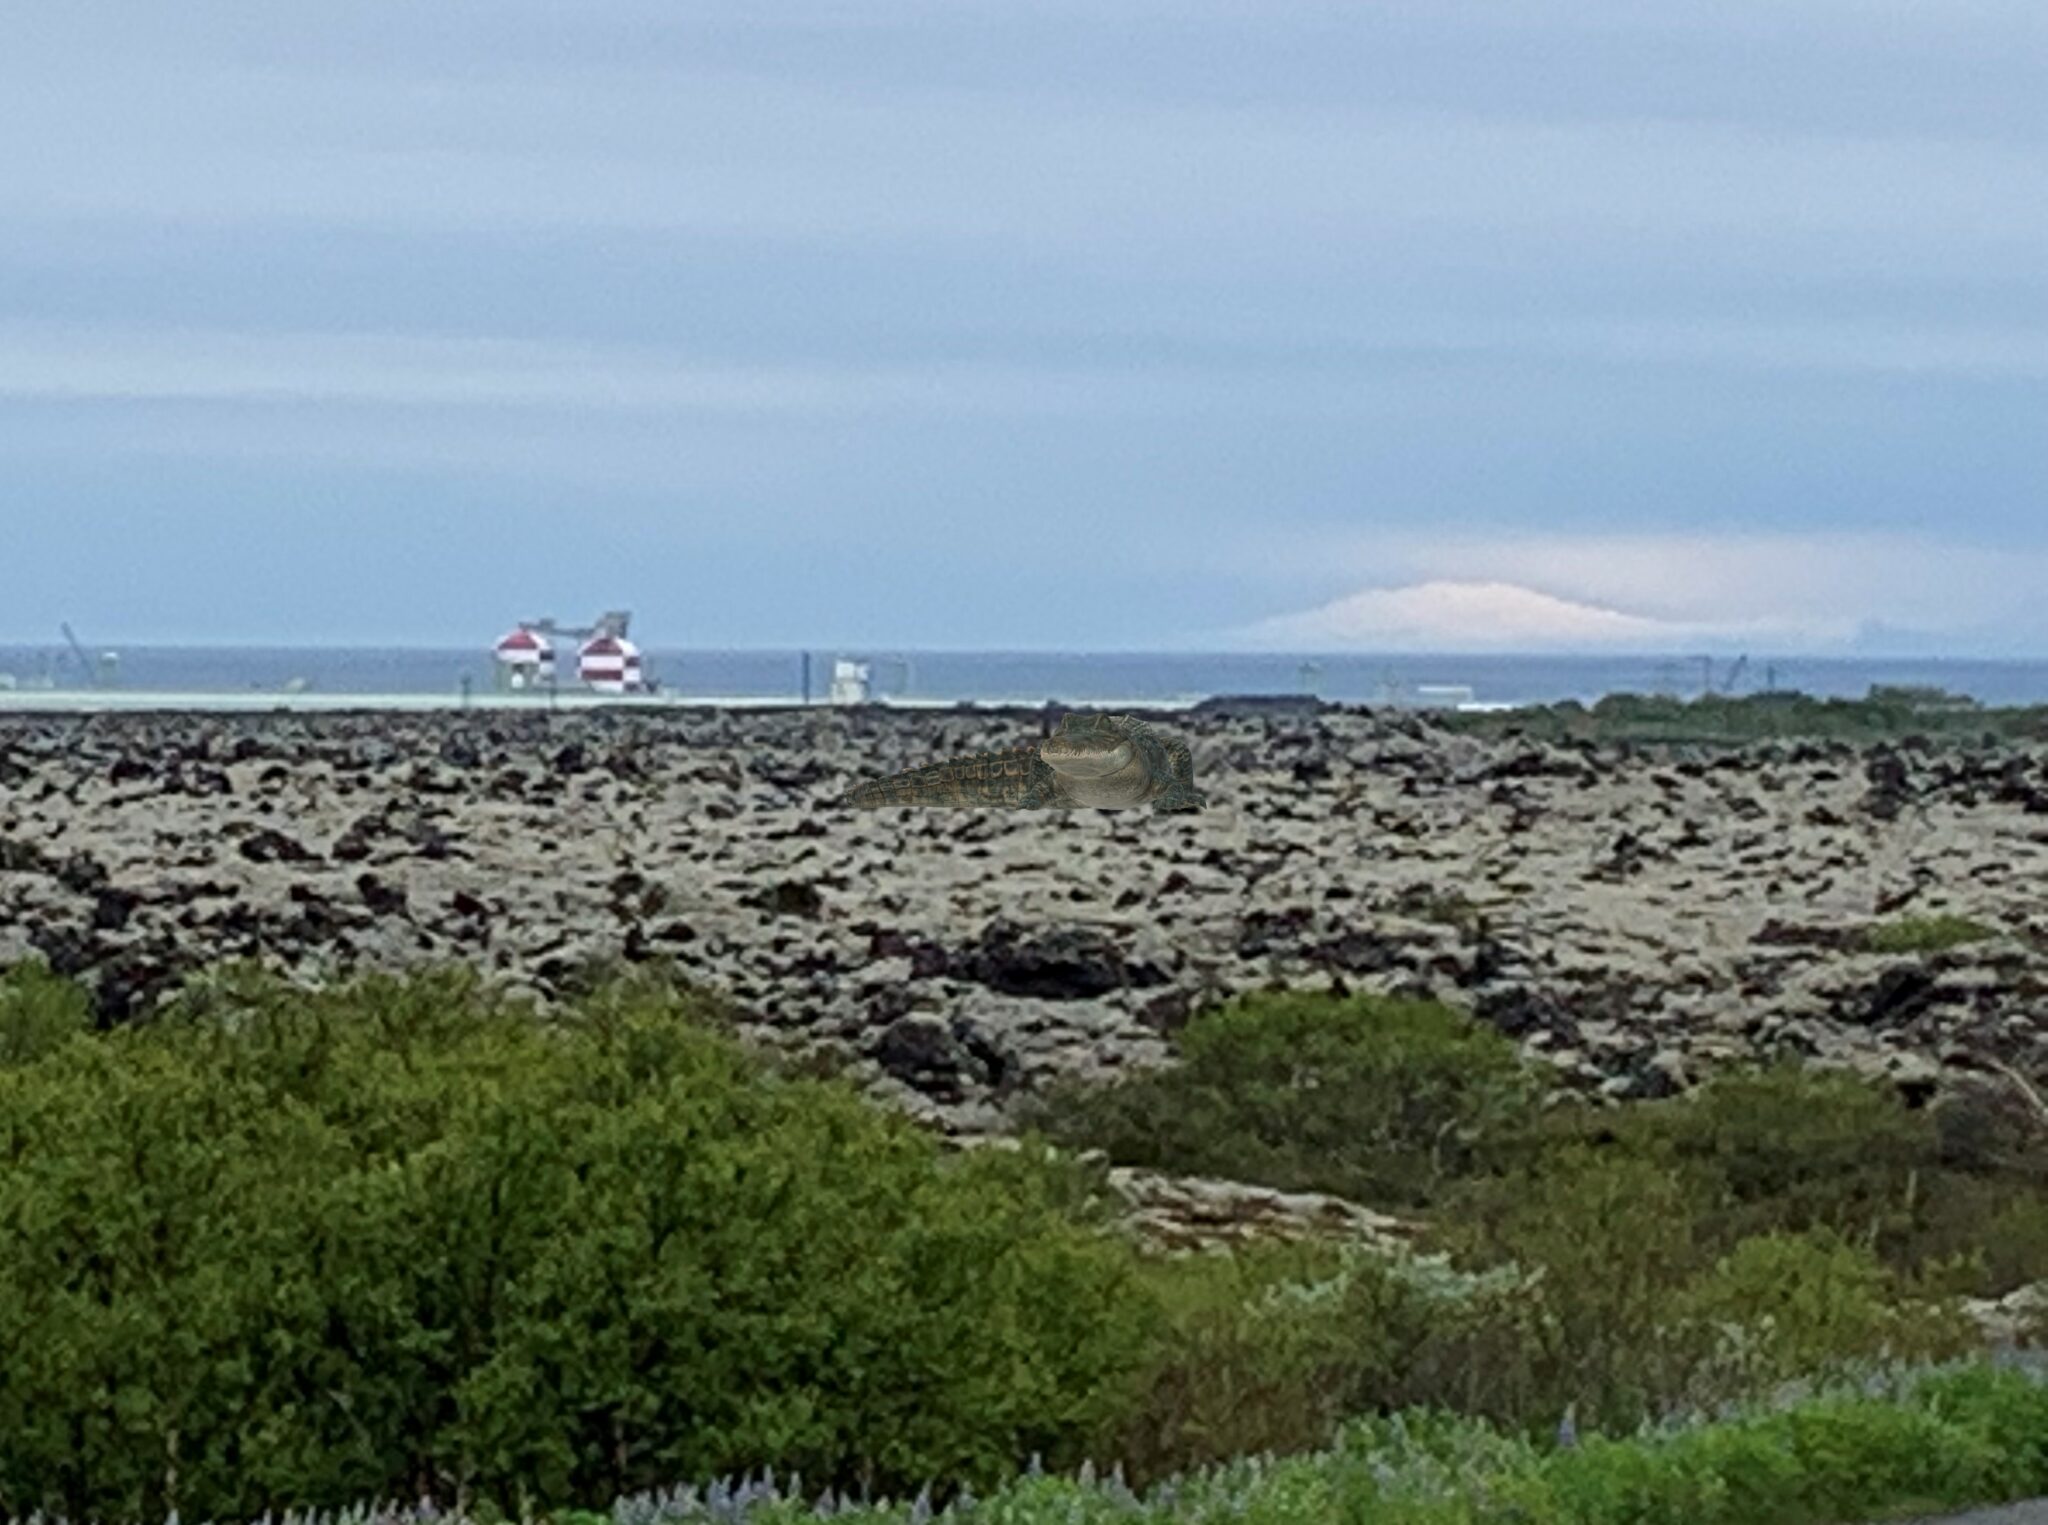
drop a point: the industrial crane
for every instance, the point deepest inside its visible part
(612, 622)
(98, 674)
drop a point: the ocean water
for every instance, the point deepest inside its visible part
(1033, 677)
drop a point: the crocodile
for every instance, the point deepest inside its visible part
(1107, 762)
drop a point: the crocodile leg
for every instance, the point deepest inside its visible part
(1180, 793)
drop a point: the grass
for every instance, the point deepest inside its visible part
(1924, 934)
(620, 1224)
(1641, 1257)
(1721, 719)
(1885, 1443)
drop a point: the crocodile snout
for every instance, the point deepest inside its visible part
(1091, 761)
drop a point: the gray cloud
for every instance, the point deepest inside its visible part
(1206, 283)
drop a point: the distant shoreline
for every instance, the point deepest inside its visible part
(219, 679)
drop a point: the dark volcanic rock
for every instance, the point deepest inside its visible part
(1057, 964)
(82, 873)
(885, 1003)
(130, 985)
(1268, 932)
(996, 1064)
(381, 897)
(112, 908)
(1789, 934)
(921, 1052)
(18, 857)
(1519, 1010)
(67, 949)
(943, 1060)
(1891, 783)
(1900, 994)
(1356, 950)
(790, 897)
(272, 846)
(1168, 1012)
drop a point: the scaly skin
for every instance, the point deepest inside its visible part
(1104, 762)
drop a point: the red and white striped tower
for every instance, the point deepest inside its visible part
(611, 665)
(526, 658)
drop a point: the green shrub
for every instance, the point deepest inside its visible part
(1370, 1098)
(1229, 1377)
(1792, 1305)
(2013, 1246)
(1777, 1149)
(39, 1012)
(1639, 1223)
(1612, 1236)
(1924, 934)
(288, 1249)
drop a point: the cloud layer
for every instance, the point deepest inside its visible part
(971, 324)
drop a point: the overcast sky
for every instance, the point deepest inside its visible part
(1217, 324)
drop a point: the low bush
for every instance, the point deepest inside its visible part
(1786, 1306)
(1924, 934)
(1890, 1443)
(1674, 1252)
(1379, 1100)
(285, 1249)
(39, 1012)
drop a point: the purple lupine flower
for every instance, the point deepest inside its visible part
(1568, 1429)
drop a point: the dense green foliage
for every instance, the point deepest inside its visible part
(285, 1248)
(38, 1012)
(1629, 1259)
(281, 1248)
(1381, 1101)
(1892, 1442)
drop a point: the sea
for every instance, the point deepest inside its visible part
(1028, 678)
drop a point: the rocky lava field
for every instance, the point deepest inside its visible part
(1628, 914)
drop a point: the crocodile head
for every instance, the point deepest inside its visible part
(1083, 746)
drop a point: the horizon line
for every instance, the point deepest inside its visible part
(855, 650)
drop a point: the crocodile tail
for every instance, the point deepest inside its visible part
(1015, 777)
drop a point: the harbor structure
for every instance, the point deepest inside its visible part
(525, 659)
(610, 664)
(607, 662)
